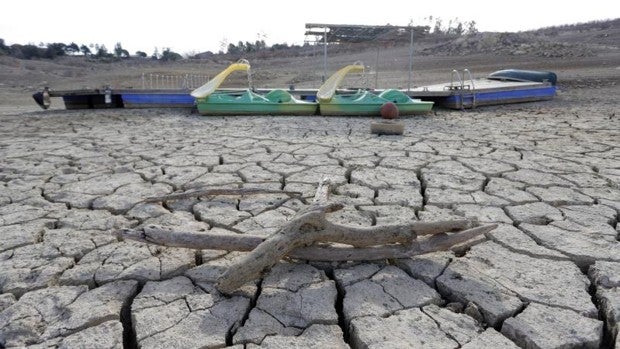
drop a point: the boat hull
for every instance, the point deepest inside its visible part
(260, 109)
(276, 102)
(332, 109)
(486, 98)
(157, 100)
(92, 101)
(364, 103)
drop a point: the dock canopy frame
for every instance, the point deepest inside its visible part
(354, 34)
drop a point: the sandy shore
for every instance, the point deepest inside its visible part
(548, 173)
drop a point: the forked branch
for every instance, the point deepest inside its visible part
(307, 236)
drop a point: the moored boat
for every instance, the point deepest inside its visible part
(406, 105)
(247, 102)
(364, 103)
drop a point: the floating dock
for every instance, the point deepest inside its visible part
(462, 92)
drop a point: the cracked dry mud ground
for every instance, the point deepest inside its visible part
(548, 277)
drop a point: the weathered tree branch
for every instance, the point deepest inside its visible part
(303, 237)
(318, 252)
(354, 236)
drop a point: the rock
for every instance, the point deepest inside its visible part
(452, 168)
(460, 327)
(260, 325)
(314, 303)
(583, 249)
(409, 328)
(560, 196)
(53, 312)
(592, 228)
(490, 339)
(267, 222)
(356, 191)
(177, 220)
(448, 197)
(214, 180)
(128, 260)
(175, 313)
(606, 274)
(590, 214)
(6, 300)
(383, 178)
(108, 335)
(218, 212)
(182, 160)
(293, 297)
(336, 174)
(76, 243)
(461, 283)
(556, 283)
(415, 161)
(17, 235)
(606, 193)
(101, 185)
(484, 214)
(536, 178)
(534, 213)
(586, 179)
(292, 277)
(455, 307)
(73, 199)
(257, 204)
(609, 303)
(477, 279)
(284, 169)
(488, 167)
(127, 196)
(432, 213)
(511, 191)
(357, 273)
(31, 267)
(19, 213)
(390, 214)
(449, 181)
(483, 199)
(92, 220)
(404, 195)
(541, 326)
(92, 308)
(517, 241)
(24, 322)
(426, 267)
(387, 291)
(314, 337)
(472, 310)
(177, 177)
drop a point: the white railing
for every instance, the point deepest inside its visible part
(177, 81)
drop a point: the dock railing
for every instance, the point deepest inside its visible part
(466, 100)
(173, 81)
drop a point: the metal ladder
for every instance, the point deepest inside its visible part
(466, 100)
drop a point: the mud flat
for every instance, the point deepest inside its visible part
(548, 173)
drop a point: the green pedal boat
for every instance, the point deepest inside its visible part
(362, 102)
(276, 102)
(210, 101)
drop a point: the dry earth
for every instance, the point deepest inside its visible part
(548, 173)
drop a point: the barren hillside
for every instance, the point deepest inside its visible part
(561, 49)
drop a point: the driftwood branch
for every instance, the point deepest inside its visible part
(306, 236)
(244, 242)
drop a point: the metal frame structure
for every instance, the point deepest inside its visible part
(348, 33)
